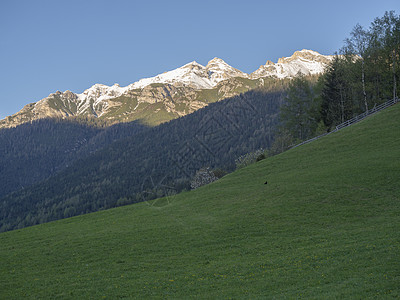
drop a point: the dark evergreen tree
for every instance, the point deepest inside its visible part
(335, 106)
(300, 113)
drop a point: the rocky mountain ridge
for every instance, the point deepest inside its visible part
(169, 95)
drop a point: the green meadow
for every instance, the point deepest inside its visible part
(326, 226)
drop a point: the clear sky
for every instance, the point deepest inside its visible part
(53, 45)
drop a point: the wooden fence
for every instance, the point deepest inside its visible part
(353, 120)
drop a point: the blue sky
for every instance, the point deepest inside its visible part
(47, 46)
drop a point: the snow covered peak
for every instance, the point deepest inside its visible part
(219, 70)
(194, 75)
(309, 51)
(193, 63)
(198, 76)
(218, 64)
(101, 91)
(306, 62)
(305, 55)
(97, 95)
(95, 100)
(216, 60)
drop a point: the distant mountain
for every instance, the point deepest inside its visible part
(169, 95)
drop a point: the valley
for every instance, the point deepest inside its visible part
(325, 225)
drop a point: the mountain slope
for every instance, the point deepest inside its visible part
(33, 152)
(149, 163)
(325, 226)
(169, 95)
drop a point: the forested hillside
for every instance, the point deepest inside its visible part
(364, 74)
(326, 226)
(150, 163)
(34, 151)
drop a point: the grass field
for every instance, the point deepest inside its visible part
(326, 226)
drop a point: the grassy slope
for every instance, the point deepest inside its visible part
(327, 225)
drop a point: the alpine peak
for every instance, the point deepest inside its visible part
(193, 63)
(306, 62)
(192, 77)
(216, 60)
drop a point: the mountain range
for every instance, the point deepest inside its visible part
(168, 95)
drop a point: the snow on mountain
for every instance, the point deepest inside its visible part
(198, 76)
(218, 70)
(99, 92)
(191, 74)
(307, 62)
(94, 101)
(194, 75)
(97, 95)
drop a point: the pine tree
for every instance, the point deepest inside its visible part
(299, 115)
(336, 106)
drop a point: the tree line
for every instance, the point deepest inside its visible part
(363, 74)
